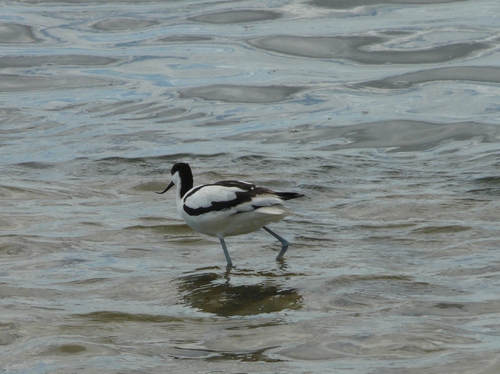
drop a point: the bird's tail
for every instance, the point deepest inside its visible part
(289, 195)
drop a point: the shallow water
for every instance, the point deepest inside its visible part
(383, 113)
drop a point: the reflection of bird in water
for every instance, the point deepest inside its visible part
(214, 293)
(228, 208)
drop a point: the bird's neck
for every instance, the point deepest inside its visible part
(185, 185)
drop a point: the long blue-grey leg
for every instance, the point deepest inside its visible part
(284, 242)
(226, 253)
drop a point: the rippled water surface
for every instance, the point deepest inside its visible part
(384, 113)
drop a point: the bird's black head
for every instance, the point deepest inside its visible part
(182, 168)
(183, 176)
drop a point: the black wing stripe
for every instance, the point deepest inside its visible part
(249, 192)
(217, 206)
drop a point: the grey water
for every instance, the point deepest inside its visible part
(384, 113)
